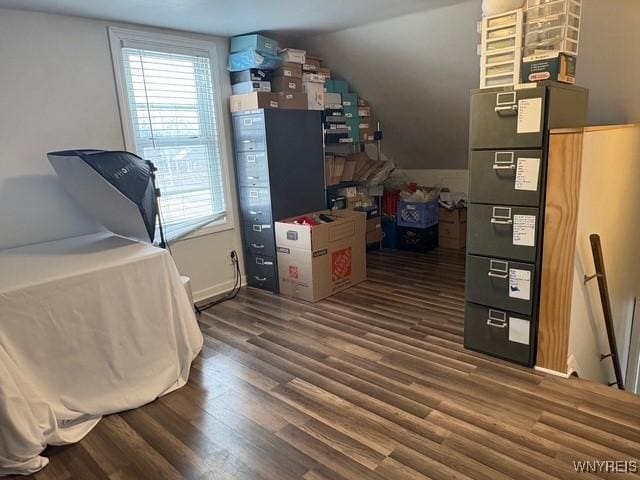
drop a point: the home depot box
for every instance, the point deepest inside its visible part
(254, 101)
(452, 230)
(316, 262)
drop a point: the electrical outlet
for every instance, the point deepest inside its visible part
(228, 258)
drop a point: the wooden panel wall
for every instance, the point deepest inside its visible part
(558, 260)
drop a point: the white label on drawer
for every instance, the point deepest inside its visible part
(292, 85)
(520, 284)
(519, 330)
(527, 174)
(524, 230)
(529, 115)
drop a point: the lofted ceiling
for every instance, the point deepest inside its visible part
(234, 17)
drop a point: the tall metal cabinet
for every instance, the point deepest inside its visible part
(280, 174)
(509, 137)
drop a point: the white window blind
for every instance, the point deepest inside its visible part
(171, 103)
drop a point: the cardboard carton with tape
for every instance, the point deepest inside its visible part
(317, 261)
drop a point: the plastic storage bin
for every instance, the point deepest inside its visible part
(552, 25)
(501, 49)
(417, 215)
(418, 239)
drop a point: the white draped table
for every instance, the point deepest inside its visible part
(89, 326)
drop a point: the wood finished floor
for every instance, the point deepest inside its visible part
(372, 383)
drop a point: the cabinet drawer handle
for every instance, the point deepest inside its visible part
(248, 141)
(504, 167)
(253, 178)
(507, 110)
(498, 275)
(255, 212)
(255, 245)
(496, 221)
(491, 323)
(260, 279)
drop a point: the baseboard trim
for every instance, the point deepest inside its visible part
(551, 372)
(215, 290)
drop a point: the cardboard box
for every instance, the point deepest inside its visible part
(362, 102)
(313, 77)
(375, 236)
(292, 101)
(315, 95)
(254, 101)
(251, 75)
(373, 224)
(324, 72)
(336, 86)
(349, 171)
(257, 42)
(317, 262)
(248, 87)
(364, 111)
(293, 55)
(312, 64)
(288, 70)
(332, 99)
(452, 228)
(286, 84)
(557, 66)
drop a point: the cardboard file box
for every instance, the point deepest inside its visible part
(257, 42)
(333, 100)
(248, 87)
(289, 70)
(336, 86)
(351, 112)
(324, 72)
(292, 101)
(286, 84)
(254, 101)
(311, 64)
(293, 55)
(315, 94)
(452, 231)
(349, 100)
(317, 262)
(251, 75)
(364, 111)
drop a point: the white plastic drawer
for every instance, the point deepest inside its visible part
(502, 20)
(500, 70)
(501, 44)
(502, 57)
(499, 81)
(501, 32)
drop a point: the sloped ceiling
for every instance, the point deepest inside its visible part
(233, 17)
(416, 70)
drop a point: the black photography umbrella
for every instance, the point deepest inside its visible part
(117, 188)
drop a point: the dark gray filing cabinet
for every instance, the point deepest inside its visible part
(509, 132)
(280, 174)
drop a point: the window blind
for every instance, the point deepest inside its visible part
(171, 102)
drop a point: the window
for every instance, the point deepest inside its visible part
(168, 104)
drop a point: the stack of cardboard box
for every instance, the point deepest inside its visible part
(289, 78)
(356, 112)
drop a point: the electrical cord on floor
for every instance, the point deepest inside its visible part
(231, 294)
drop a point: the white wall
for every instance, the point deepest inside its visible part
(417, 70)
(58, 92)
(609, 195)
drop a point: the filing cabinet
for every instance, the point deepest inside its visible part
(509, 132)
(280, 174)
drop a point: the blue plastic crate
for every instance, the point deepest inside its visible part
(417, 215)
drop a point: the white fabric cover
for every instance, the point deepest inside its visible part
(495, 7)
(89, 326)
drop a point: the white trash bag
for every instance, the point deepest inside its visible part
(495, 7)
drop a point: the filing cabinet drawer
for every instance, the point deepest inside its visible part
(253, 122)
(262, 272)
(255, 198)
(251, 141)
(257, 214)
(501, 284)
(503, 334)
(503, 232)
(502, 177)
(259, 239)
(510, 119)
(252, 169)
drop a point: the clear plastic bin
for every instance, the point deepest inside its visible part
(499, 81)
(500, 58)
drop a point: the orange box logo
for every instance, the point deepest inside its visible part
(341, 264)
(293, 272)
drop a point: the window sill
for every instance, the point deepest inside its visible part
(216, 227)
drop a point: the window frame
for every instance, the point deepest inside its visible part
(176, 44)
